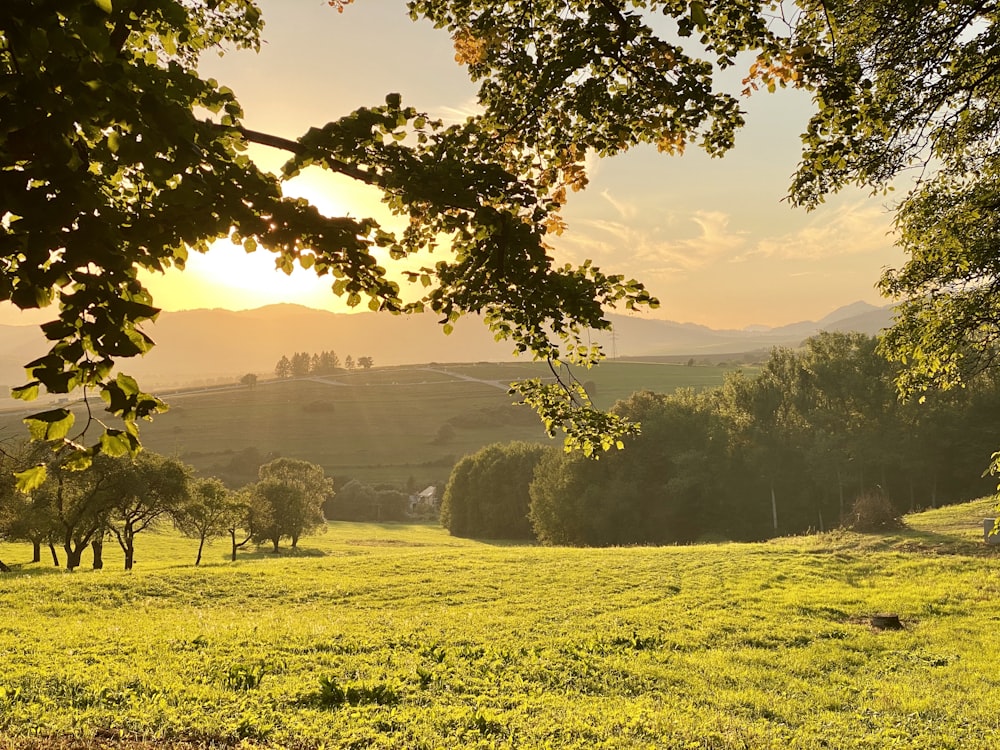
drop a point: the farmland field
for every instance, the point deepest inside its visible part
(403, 637)
(388, 424)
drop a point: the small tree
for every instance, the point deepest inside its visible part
(210, 511)
(301, 364)
(143, 489)
(349, 362)
(873, 511)
(288, 500)
(81, 503)
(366, 363)
(242, 524)
(27, 517)
(249, 380)
(329, 362)
(284, 367)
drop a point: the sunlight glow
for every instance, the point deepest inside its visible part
(229, 277)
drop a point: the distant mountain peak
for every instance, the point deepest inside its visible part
(852, 310)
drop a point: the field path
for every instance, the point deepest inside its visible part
(494, 383)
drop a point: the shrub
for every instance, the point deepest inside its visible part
(487, 492)
(873, 511)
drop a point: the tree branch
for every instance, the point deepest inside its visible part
(616, 13)
(286, 144)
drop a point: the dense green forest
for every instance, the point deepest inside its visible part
(792, 448)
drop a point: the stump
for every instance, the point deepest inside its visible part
(886, 622)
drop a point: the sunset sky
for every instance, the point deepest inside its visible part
(711, 238)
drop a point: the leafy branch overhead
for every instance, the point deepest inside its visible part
(111, 166)
(116, 156)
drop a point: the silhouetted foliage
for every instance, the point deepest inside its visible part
(784, 451)
(487, 494)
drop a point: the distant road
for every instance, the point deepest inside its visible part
(495, 383)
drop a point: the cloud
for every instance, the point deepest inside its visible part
(625, 210)
(855, 229)
(461, 113)
(646, 248)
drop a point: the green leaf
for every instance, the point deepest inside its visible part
(104, 5)
(128, 384)
(27, 392)
(698, 17)
(116, 443)
(50, 425)
(31, 479)
(78, 461)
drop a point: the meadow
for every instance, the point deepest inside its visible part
(389, 424)
(400, 636)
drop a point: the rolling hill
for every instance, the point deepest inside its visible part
(208, 345)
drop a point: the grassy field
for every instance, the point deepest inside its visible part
(384, 425)
(403, 637)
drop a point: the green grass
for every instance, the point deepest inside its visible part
(385, 425)
(391, 636)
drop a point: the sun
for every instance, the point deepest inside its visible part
(228, 277)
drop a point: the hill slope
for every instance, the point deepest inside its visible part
(208, 345)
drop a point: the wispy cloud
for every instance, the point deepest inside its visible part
(651, 248)
(854, 229)
(625, 210)
(461, 113)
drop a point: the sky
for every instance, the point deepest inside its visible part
(711, 238)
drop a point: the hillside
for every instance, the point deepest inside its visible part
(388, 424)
(396, 637)
(202, 346)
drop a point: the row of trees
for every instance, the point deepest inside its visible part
(122, 497)
(301, 364)
(780, 452)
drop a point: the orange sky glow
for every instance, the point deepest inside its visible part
(711, 238)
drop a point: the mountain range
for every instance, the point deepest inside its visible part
(209, 345)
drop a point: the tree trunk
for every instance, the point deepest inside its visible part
(201, 545)
(55, 556)
(840, 489)
(36, 550)
(232, 535)
(295, 541)
(98, 547)
(774, 509)
(73, 556)
(129, 555)
(275, 541)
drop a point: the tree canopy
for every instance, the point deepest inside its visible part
(116, 155)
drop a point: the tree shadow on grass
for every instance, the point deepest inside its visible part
(268, 553)
(907, 539)
(33, 569)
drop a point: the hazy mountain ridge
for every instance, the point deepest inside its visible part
(199, 345)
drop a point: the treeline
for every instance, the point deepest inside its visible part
(119, 498)
(814, 436)
(301, 364)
